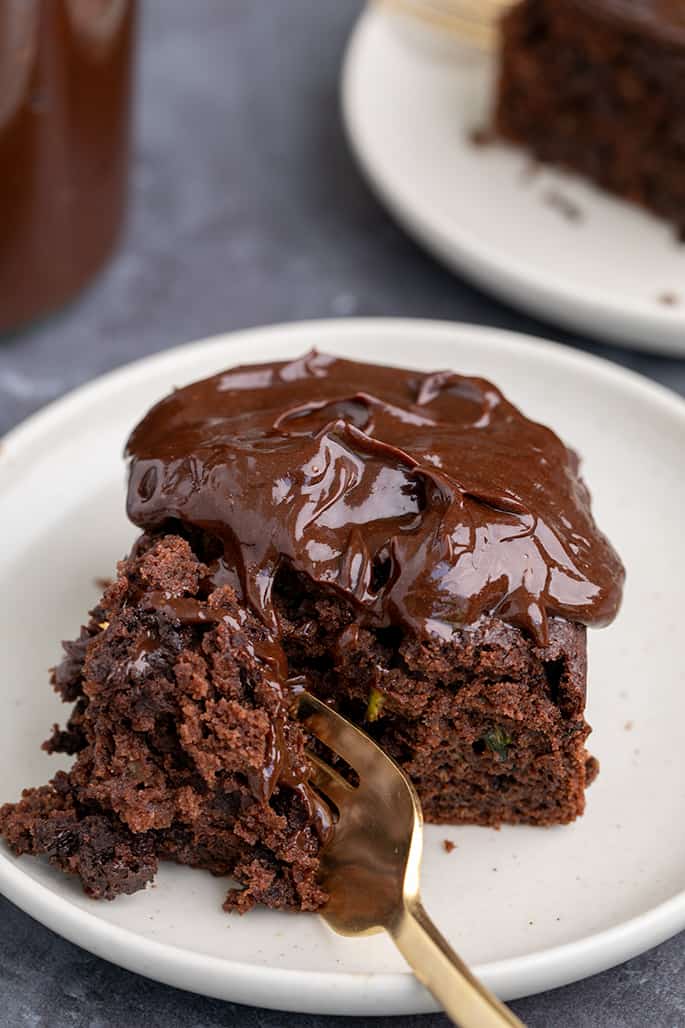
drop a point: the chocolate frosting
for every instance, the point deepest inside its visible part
(428, 500)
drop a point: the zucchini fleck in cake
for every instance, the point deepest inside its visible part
(409, 546)
(598, 86)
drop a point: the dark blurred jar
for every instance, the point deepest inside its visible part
(65, 82)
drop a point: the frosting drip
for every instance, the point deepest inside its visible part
(428, 500)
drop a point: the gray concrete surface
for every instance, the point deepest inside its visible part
(247, 208)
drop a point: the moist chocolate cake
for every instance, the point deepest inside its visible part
(598, 87)
(408, 546)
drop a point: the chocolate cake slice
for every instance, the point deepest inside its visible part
(598, 87)
(408, 546)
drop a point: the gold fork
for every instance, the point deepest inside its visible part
(371, 866)
(472, 21)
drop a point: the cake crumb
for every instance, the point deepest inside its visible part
(103, 583)
(448, 845)
(628, 726)
(669, 299)
(563, 204)
(481, 136)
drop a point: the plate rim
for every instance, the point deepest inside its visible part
(627, 321)
(331, 992)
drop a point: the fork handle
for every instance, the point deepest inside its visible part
(468, 1003)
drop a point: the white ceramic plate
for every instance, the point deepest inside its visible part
(410, 107)
(530, 908)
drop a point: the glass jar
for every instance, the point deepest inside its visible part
(65, 83)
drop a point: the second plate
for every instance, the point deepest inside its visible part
(544, 241)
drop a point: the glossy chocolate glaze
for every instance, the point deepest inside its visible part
(284, 765)
(427, 499)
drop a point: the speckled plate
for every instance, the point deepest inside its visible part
(529, 908)
(546, 242)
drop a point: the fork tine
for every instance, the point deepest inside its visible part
(328, 781)
(333, 730)
(349, 742)
(370, 865)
